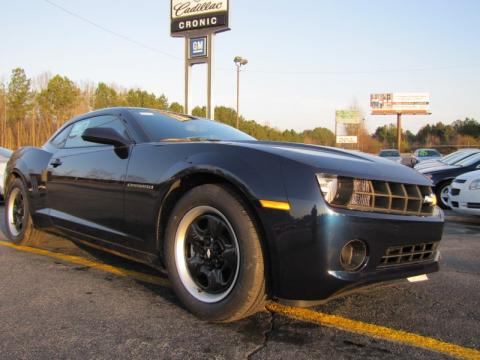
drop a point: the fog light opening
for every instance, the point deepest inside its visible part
(353, 255)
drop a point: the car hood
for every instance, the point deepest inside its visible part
(428, 164)
(341, 162)
(470, 176)
(440, 167)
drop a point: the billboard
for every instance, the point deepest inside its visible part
(192, 15)
(348, 117)
(400, 103)
(347, 140)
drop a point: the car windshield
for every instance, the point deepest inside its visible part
(165, 126)
(389, 153)
(469, 160)
(427, 153)
(5, 152)
(456, 157)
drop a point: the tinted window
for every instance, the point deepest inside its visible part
(389, 153)
(427, 153)
(74, 139)
(59, 140)
(458, 157)
(159, 126)
(469, 160)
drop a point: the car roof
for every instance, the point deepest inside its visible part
(120, 109)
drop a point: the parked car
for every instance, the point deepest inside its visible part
(4, 157)
(464, 194)
(421, 155)
(391, 154)
(443, 175)
(450, 159)
(233, 220)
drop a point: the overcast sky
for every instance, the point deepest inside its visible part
(307, 58)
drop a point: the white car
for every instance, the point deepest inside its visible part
(4, 157)
(464, 195)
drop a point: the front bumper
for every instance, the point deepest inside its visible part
(461, 200)
(308, 251)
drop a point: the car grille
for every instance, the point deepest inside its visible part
(473, 205)
(384, 197)
(408, 254)
(455, 192)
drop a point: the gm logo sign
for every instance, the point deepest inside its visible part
(198, 47)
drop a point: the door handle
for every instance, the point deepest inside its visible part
(56, 163)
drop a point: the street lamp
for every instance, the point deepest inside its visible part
(239, 62)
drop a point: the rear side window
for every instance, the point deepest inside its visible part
(59, 140)
(74, 139)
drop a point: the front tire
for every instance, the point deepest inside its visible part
(442, 193)
(214, 256)
(18, 222)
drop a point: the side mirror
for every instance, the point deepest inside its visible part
(106, 136)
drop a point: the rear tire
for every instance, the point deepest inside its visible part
(214, 256)
(442, 194)
(19, 227)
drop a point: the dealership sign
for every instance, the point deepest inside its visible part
(400, 103)
(347, 139)
(192, 15)
(198, 48)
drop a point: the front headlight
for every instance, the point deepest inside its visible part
(328, 185)
(475, 185)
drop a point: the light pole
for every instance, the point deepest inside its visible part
(239, 62)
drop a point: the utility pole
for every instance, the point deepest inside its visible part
(399, 132)
(239, 62)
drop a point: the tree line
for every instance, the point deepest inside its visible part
(32, 109)
(461, 133)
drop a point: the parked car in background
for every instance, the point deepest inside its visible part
(450, 159)
(443, 175)
(4, 157)
(421, 155)
(464, 196)
(391, 154)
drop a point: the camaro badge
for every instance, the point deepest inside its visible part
(140, 186)
(430, 200)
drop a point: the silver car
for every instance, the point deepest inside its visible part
(4, 157)
(426, 154)
(391, 154)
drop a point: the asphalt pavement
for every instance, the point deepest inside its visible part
(54, 308)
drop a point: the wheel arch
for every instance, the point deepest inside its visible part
(187, 181)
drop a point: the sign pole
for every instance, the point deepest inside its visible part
(210, 110)
(187, 74)
(399, 132)
(197, 22)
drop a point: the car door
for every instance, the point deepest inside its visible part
(86, 182)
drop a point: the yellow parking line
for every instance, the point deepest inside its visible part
(91, 264)
(376, 331)
(307, 315)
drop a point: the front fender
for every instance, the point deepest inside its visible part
(30, 165)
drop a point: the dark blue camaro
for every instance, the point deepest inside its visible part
(233, 220)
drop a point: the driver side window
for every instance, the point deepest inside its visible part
(75, 140)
